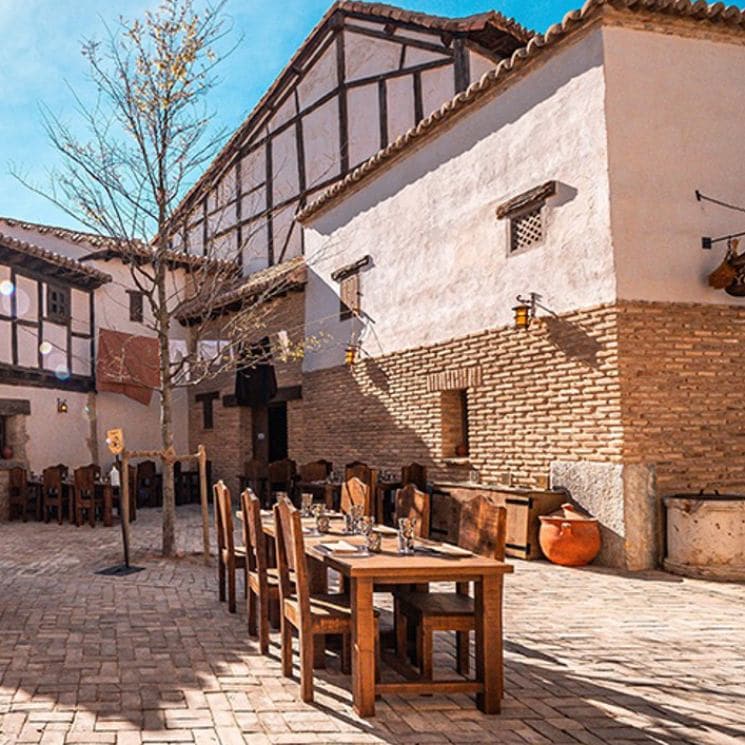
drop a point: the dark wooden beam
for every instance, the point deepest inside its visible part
(343, 114)
(383, 112)
(16, 375)
(461, 66)
(418, 100)
(239, 209)
(269, 203)
(14, 318)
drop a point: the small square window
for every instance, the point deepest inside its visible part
(135, 305)
(58, 304)
(526, 228)
(454, 423)
(349, 296)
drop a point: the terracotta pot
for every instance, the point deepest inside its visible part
(569, 538)
(7, 452)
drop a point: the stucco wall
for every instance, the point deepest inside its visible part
(440, 266)
(68, 433)
(676, 120)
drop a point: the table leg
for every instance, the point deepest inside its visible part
(363, 647)
(108, 508)
(488, 600)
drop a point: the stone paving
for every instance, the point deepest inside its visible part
(592, 657)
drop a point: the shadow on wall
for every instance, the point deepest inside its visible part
(571, 339)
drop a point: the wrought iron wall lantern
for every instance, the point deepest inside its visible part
(62, 406)
(526, 308)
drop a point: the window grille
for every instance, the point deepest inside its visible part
(526, 229)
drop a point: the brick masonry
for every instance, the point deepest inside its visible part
(630, 383)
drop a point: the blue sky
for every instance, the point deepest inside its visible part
(40, 56)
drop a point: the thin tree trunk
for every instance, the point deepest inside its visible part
(166, 406)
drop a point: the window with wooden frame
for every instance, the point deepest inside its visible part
(525, 215)
(208, 413)
(350, 295)
(58, 303)
(136, 305)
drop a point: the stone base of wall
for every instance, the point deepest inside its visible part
(623, 499)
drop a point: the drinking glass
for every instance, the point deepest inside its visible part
(374, 541)
(306, 505)
(406, 527)
(322, 522)
(366, 524)
(357, 512)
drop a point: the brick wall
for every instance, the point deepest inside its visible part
(630, 383)
(682, 370)
(552, 392)
(229, 444)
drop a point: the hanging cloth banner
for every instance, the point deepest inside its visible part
(127, 364)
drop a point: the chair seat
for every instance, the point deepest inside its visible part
(332, 613)
(436, 604)
(272, 578)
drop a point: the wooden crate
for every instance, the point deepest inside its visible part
(524, 506)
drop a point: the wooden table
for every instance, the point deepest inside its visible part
(389, 567)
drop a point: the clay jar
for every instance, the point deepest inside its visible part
(568, 537)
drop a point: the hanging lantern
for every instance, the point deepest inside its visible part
(350, 355)
(522, 316)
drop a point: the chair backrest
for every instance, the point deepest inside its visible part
(145, 472)
(51, 479)
(414, 474)
(317, 470)
(85, 480)
(255, 469)
(63, 470)
(93, 468)
(290, 546)
(282, 471)
(358, 470)
(355, 491)
(482, 527)
(253, 534)
(412, 503)
(18, 479)
(224, 518)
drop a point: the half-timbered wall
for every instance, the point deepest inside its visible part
(36, 346)
(355, 87)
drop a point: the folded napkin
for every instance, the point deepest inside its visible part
(386, 529)
(446, 549)
(341, 547)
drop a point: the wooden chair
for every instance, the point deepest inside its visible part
(263, 580)
(481, 529)
(256, 478)
(52, 493)
(229, 556)
(355, 491)
(148, 485)
(18, 493)
(412, 503)
(414, 474)
(310, 614)
(317, 470)
(86, 498)
(282, 476)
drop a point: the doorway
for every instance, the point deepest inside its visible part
(277, 431)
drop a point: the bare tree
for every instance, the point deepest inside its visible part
(147, 135)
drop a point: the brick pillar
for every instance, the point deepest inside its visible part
(4, 495)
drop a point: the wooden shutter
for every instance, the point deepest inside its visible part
(349, 296)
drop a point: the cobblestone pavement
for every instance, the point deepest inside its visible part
(592, 657)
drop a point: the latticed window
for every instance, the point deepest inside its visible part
(526, 228)
(525, 214)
